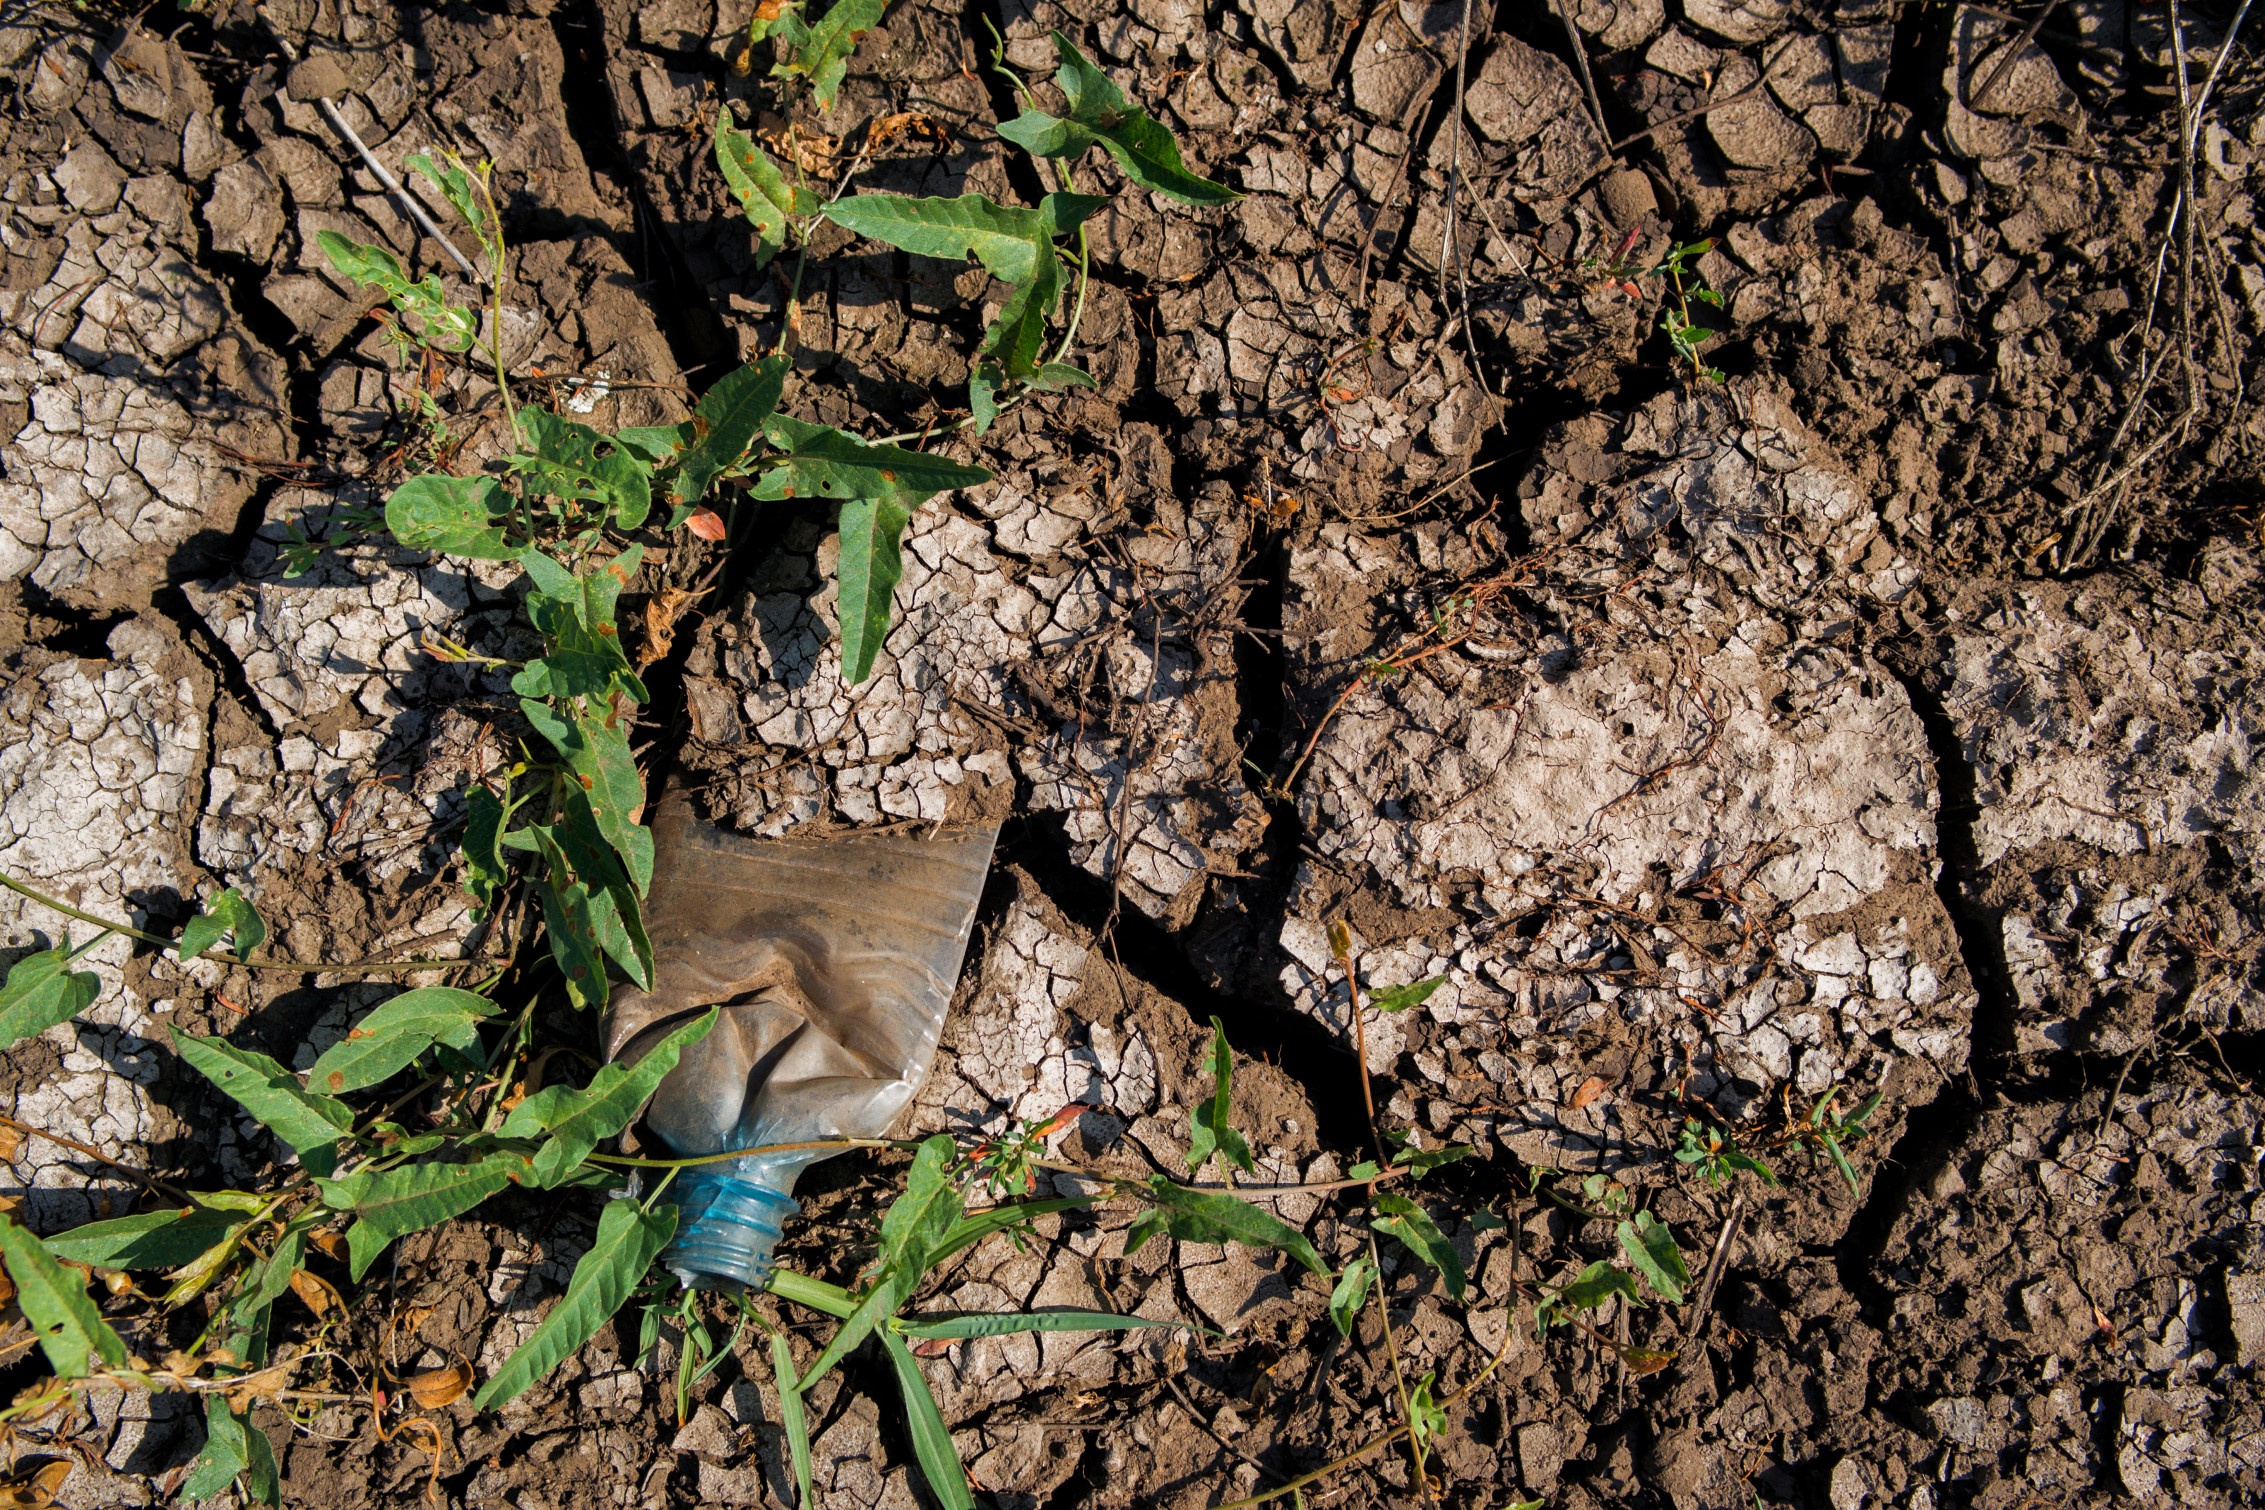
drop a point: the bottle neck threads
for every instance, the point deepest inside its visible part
(728, 1225)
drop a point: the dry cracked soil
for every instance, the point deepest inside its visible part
(1879, 718)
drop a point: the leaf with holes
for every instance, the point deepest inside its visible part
(228, 913)
(451, 516)
(310, 1125)
(1408, 1222)
(392, 1203)
(42, 991)
(628, 1240)
(764, 196)
(575, 1121)
(53, 1298)
(1099, 112)
(568, 460)
(1211, 1216)
(389, 1040)
(1210, 1129)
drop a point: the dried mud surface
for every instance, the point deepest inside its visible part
(1880, 719)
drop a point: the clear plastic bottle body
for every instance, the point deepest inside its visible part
(833, 961)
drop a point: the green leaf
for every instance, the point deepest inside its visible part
(451, 516)
(227, 1452)
(791, 1417)
(595, 748)
(658, 444)
(486, 872)
(629, 1238)
(1002, 1323)
(1595, 1285)
(576, 1121)
(1419, 1234)
(389, 1040)
(820, 52)
(1419, 1162)
(818, 461)
(456, 187)
(42, 991)
(803, 1290)
(259, 1289)
(919, 1220)
(1010, 242)
(310, 1125)
(151, 1240)
(729, 417)
(1211, 1129)
(931, 1438)
(1840, 1162)
(976, 1226)
(1426, 1421)
(1400, 998)
(575, 616)
(1052, 377)
(1351, 1293)
(984, 380)
(762, 191)
(1650, 1246)
(392, 1203)
(1099, 112)
(570, 461)
(597, 895)
(438, 322)
(54, 1301)
(1211, 1216)
(227, 913)
(872, 563)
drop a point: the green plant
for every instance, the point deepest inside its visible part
(1832, 1133)
(1685, 285)
(1716, 1153)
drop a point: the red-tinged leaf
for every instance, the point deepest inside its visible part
(706, 523)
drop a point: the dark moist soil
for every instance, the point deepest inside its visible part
(1961, 306)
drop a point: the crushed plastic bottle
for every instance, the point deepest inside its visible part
(833, 960)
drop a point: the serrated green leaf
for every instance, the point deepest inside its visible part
(1650, 1246)
(791, 1417)
(229, 912)
(931, 1438)
(1400, 998)
(568, 460)
(576, 1121)
(1005, 1323)
(392, 1203)
(309, 1124)
(1099, 112)
(1350, 1294)
(629, 1238)
(389, 1040)
(451, 516)
(1211, 1129)
(1408, 1222)
(729, 417)
(820, 50)
(42, 991)
(150, 1240)
(1211, 1216)
(54, 1301)
(761, 190)
(984, 380)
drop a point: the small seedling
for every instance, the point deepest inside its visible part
(1834, 1134)
(1717, 1154)
(1685, 285)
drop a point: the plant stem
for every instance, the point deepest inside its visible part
(221, 956)
(1399, 1381)
(499, 269)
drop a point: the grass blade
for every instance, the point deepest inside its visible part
(976, 1226)
(629, 1237)
(791, 1416)
(814, 1293)
(931, 1438)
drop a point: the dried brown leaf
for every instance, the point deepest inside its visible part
(1589, 1090)
(436, 1387)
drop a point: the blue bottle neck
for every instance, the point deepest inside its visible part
(728, 1224)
